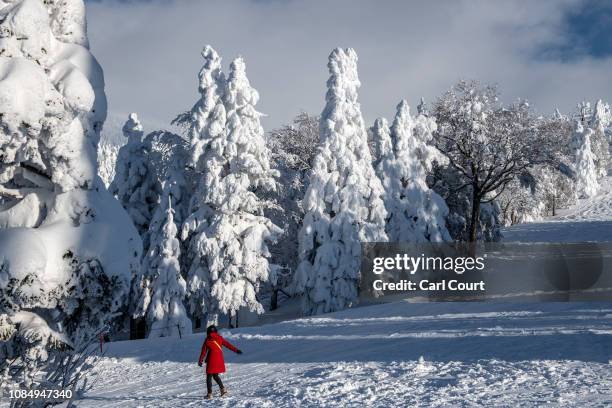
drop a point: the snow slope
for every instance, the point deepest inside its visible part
(588, 220)
(474, 354)
(396, 354)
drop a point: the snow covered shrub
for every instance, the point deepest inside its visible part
(522, 201)
(226, 231)
(67, 247)
(537, 193)
(414, 212)
(42, 357)
(344, 200)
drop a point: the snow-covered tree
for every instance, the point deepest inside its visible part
(594, 118)
(163, 287)
(343, 203)
(600, 138)
(382, 154)
(226, 229)
(145, 167)
(450, 185)
(207, 118)
(134, 182)
(107, 161)
(67, 248)
(585, 169)
(293, 148)
(487, 144)
(416, 213)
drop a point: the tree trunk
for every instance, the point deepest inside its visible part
(233, 320)
(475, 215)
(554, 206)
(274, 299)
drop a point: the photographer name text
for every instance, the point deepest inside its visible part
(426, 285)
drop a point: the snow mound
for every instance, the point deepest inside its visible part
(83, 223)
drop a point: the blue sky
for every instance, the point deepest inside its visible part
(552, 52)
(586, 32)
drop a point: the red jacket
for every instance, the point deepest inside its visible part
(214, 361)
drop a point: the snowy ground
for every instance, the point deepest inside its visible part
(474, 354)
(589, 220)
(395, 354)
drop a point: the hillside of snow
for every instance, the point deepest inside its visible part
(588, 220)
(473, 354)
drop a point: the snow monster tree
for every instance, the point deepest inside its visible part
(344, 201)
(67, 248)
(226, 230)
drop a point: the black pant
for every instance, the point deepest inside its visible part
(209, 378)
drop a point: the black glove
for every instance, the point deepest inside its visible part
(239, 351)
(199, 364)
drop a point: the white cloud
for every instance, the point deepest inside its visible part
(150, 51)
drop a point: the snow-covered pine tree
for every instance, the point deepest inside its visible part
(144, 168)
(584, 167)
(205, 124)
(343, 203)
(600, 142)
(134, 184)
(226, 229)
(388, 171)
(67, 248)
(383, 149)
(418, 214)
(163, 289)
(206, 119)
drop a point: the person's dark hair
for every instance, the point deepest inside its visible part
(211, 329)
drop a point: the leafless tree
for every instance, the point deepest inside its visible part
(488, 144)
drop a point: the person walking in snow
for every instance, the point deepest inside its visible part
(212, 353)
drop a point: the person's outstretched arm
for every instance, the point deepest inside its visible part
(202, 354)
(231, 347)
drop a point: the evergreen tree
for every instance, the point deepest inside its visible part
(600, 138)
(418, 214)
(585, 169)
(343, 202)
(163, 287)
(206, 119)
(226, 229)
(67, 248)
(134, 184)
(414, 212)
